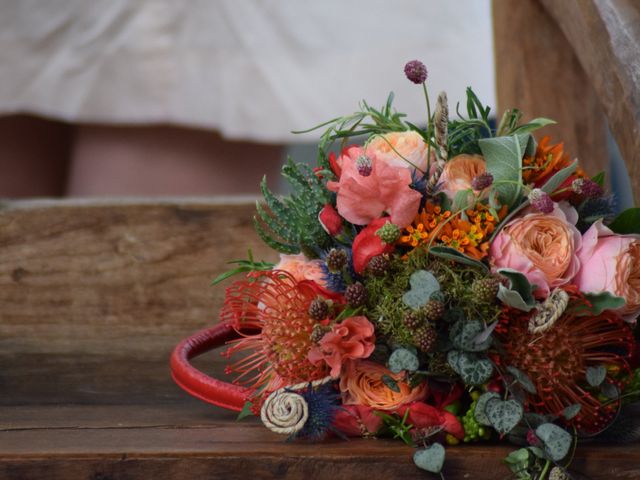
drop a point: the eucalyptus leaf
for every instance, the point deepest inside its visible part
(520, 293)
(557, 441)
(523, 379)
(559, 178)
(246, 411)
(609, 390)
(423, 284)
(391, 383)
(431, 458)
(479, 412)
(462, 200)
(596, 375)
(534, 125)
(503, 157)
(504, 415)
(571, 411)
(627, 222)
(512, 299)
(603, 301)
(449, 253)
(402, 359)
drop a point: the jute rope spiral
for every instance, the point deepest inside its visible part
(285, 411)
(549, 311)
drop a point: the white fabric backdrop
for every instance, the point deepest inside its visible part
(252, 69)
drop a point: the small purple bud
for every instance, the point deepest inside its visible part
(482, 181)
(415, 71)
(364, 165)
(587, 188)
(541, 201)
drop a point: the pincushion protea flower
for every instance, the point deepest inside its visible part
(556, 360)
(276, 307)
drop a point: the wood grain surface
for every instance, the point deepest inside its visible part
(93, 297)
(538, 72)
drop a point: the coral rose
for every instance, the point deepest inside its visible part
(400, 149)
(459, 172)
(422, 415)
(361, 384)
(357, 421)
(611, 263)
(361, 199)
(302, 268)
(350, 339)
(541, 246)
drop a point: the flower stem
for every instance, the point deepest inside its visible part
(429, 125)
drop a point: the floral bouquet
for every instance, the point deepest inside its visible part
(452, 283)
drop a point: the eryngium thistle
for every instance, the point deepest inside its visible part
(541, 201)
(416, 71)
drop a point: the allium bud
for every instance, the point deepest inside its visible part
(541, 201)
(482, 181)
(415, 71)
(364, 165)
(586, 188)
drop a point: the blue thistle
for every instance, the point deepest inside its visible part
(594, 208)
(336, 281)
(323, 405)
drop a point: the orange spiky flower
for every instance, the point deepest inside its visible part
(275, 306)
(556, 360)
(547, 160)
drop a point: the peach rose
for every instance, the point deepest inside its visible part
(361, 384)
(459, 172)
(302, 268)
(541, 246)
(385, 189)
(611, 263)
(409, 145)
(350, 339)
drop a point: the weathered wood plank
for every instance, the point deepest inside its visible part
(538, 72)
(605, 36)
(67, 442)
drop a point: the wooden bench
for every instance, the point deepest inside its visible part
(94, 295)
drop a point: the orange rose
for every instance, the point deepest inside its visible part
(409, 145)
(361, 384)
(459, 172)
(302, 268)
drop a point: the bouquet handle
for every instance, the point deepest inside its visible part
(198, 384)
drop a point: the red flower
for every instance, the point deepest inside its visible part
(422, 415)
(367, 245)
(357, 421)
(330, 220)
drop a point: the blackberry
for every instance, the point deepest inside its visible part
(318, 309)
(356, 294)
(425, 338)
(485, 290)
(336, 260)
(413, 320)
(433, 310)
(379, 265)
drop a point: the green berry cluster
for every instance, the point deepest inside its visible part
(473, 431)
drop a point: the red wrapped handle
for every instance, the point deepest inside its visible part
(196, 383)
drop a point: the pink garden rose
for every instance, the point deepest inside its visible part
(541, 246)
(409, 145)
(350, 339)
(611, 263)
(361, 199)
(302, 268)
(459, 172)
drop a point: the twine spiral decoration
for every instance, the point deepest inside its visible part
(549, 311)
(285, 411)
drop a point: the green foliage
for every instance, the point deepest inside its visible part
(290, 225)
(474, 369)
(504, 415)
(558, 179)
(465, 132)
(464, 335)
(422, 286)
(523, 379)
(503, 156)
(571, 411)
(557, 441)
(596, 375)
(431, 458)
(398, 426)
(246, 411)
(449, 253)
(520, 293)
(402, 359)
(243, 266)
(599, 303)
(627, 222)
(479, 410)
